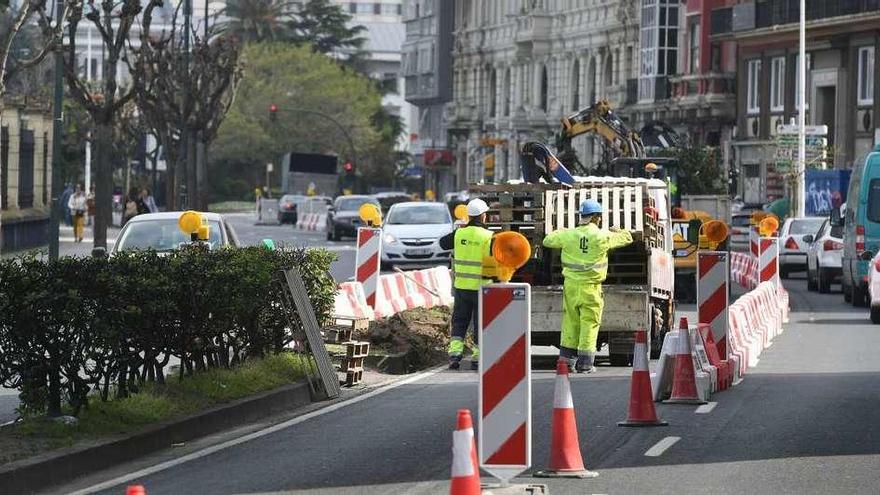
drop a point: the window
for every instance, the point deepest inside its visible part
(797, 78)
(866, 75)
(544, 85)
(390, 9)
(777, 84)
(575, 85)
(659, 44)
(46, 168)
(694, 48)
(4, 166)
(873, 200)
(752, 94)
(26, 170)
(364, 8)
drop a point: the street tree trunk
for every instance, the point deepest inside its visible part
(103, 182)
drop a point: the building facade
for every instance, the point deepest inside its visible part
(842, 89)
(520, 66)
(25, 175)
(427, 70)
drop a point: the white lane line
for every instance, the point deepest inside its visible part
(660, 447)
(706, 408)
(252, 436)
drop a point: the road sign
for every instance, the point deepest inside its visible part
(367, 261)
(712, 295)
(505, 405)
(814, 130)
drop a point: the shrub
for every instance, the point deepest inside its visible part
(79, 328)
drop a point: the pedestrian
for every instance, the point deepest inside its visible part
(584, 266)
(149, 200)
(471, 245)
(133, 207)
(90, 206)
(65, 199)
(77, 205)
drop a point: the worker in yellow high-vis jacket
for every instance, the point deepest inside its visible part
(584, 266)
(473, 267)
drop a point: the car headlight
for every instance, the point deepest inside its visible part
(390, 239)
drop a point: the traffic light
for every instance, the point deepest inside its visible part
(273, 112)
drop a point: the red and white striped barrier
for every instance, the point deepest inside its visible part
(350, 301)
(768, 262)
(755, 319)
(367, 260)
(505, 407)
(744, 270)
(312, 221)
(754, 236)
(713, 295)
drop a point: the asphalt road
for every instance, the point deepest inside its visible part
(803, 421)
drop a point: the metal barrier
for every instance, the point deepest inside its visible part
(268, 211)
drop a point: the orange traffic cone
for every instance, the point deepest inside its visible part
(135, 490)
(684, 380)
(465, 469)
(565, 449)
(641, 402)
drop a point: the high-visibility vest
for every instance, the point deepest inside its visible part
(585, 254)
(471, 246)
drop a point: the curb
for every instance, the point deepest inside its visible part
(57, 467)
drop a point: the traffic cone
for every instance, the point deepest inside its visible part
(465, 469)
(684, 380)
(641, 402)
(565, 449)
(135, 490)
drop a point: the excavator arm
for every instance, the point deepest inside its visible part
(598, 118)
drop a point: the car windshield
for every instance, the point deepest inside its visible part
(351, 204)
(740, 221)
(419, 215)
(290, 198)
(805, 226)
(389, 201)
(162, 235)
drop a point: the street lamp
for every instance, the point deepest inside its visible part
(57, 131)
(800, 202)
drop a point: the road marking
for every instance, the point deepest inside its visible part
(706, 408)
(660, 447)
(253, 436)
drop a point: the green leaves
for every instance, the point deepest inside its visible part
(91, 325)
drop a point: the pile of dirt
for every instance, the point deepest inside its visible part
(411, 340)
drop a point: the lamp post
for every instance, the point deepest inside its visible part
(800, 201)
(57, 131)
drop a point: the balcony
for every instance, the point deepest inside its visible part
(533, 28)
(713, 83)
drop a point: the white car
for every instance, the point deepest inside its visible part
(159, 232)
(792, 246)
(739, 232)
(823, 257)
(411, 234)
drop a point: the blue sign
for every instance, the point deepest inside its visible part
(825, 190)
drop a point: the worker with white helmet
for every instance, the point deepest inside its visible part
(584, 266)
(471, 247)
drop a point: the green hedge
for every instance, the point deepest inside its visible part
(80, 328)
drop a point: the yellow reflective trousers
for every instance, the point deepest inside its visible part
(582, 305)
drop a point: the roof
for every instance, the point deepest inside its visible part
(172, 215)
(382, 36)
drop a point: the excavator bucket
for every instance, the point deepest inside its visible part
(538, 162)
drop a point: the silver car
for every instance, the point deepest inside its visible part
(411, 234)
(159, 232)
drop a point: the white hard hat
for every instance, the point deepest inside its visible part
(476, 207)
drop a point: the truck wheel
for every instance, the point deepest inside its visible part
(875, 315)
(824, 282)
(621, 360)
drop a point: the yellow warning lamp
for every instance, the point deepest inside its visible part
(768, 226)
(511, 250)
(651, 167)
(715, 232)
(430, 195)
(756, 217)
(189, 222)
(460, 213)
(369, 213)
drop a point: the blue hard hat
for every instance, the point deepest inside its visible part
(590, 207)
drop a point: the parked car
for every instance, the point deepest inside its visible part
(823, 256)
(389, 199)
(343, 218)
(159, 232)
(411, 234)
(739, 231)
(861, 228)
(287, 207)
(792, 244)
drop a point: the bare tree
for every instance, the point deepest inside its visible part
(186, 95)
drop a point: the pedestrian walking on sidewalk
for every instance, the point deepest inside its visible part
(149, 201)
(65, 209)
(472, 266)
(584, 266)
(77, 206)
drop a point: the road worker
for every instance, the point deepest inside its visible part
(584, 266)
(471, 247)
